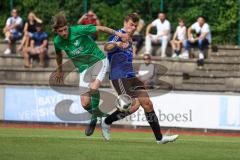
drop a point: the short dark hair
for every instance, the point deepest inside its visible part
(132, 16)
(203, 17)
(59, 20)
(181, 20)
(39, 25)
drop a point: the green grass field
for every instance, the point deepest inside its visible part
(56, 144)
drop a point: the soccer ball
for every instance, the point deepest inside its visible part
(124, 102)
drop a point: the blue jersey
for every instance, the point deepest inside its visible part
(120, 60)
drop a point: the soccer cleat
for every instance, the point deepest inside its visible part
(91, 127)
(166, 139)
(105, 129)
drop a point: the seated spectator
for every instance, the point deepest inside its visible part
(162, 36)
(179, 38)
(38, 47)
(138, 36)
(90, 18)
(12, 30)
(201, 38)
(146, 72)
(29, 29)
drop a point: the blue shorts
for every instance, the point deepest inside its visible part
(16, 36)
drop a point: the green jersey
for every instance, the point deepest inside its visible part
(80, 48)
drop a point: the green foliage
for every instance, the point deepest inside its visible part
(222, 15)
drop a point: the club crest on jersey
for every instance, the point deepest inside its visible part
(76, 43)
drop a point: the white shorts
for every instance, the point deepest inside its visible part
(97, 71)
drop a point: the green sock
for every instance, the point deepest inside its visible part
(95, 99)
(93, 107)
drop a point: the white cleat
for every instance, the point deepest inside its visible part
(105, 129)
(166, 139)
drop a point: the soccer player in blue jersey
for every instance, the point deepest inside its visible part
(124, 81)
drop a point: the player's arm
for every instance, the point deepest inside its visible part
(111, 46)
(111, 31)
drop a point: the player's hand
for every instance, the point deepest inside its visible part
(123, 45)
(123, 35)
(58, 77)
(95, 85)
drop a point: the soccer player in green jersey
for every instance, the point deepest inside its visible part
(86, 56)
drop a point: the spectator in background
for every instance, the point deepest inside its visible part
(38, 47)
(198, 34)
(179, 38)
(90, 18)
(146, 72)
(12, 30)
(162, 36)
(138, 35)
(29, 29)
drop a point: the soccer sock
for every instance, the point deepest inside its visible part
(117, 115)
(153, 121)
(93, 108)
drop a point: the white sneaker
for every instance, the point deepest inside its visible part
(7, 51)
(166, 139)
(6, 39)
(105, 129)
(184, 55)
(174, 55)
(201, 55)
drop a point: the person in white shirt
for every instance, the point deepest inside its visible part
(198, 34)
(12, 30)
(146, 72)
(179, 38)
(138, 36)
(162, 36)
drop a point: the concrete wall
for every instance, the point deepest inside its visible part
(1, 102)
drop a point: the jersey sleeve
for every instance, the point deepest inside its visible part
(86, 29)
(57, 49)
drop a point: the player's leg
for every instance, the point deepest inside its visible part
(90, 100)
(121, 86)
(151, 117)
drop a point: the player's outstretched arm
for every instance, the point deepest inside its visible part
(111, 31)
(111, 46)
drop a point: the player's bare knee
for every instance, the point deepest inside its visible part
(147, 105)
(85, 101)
